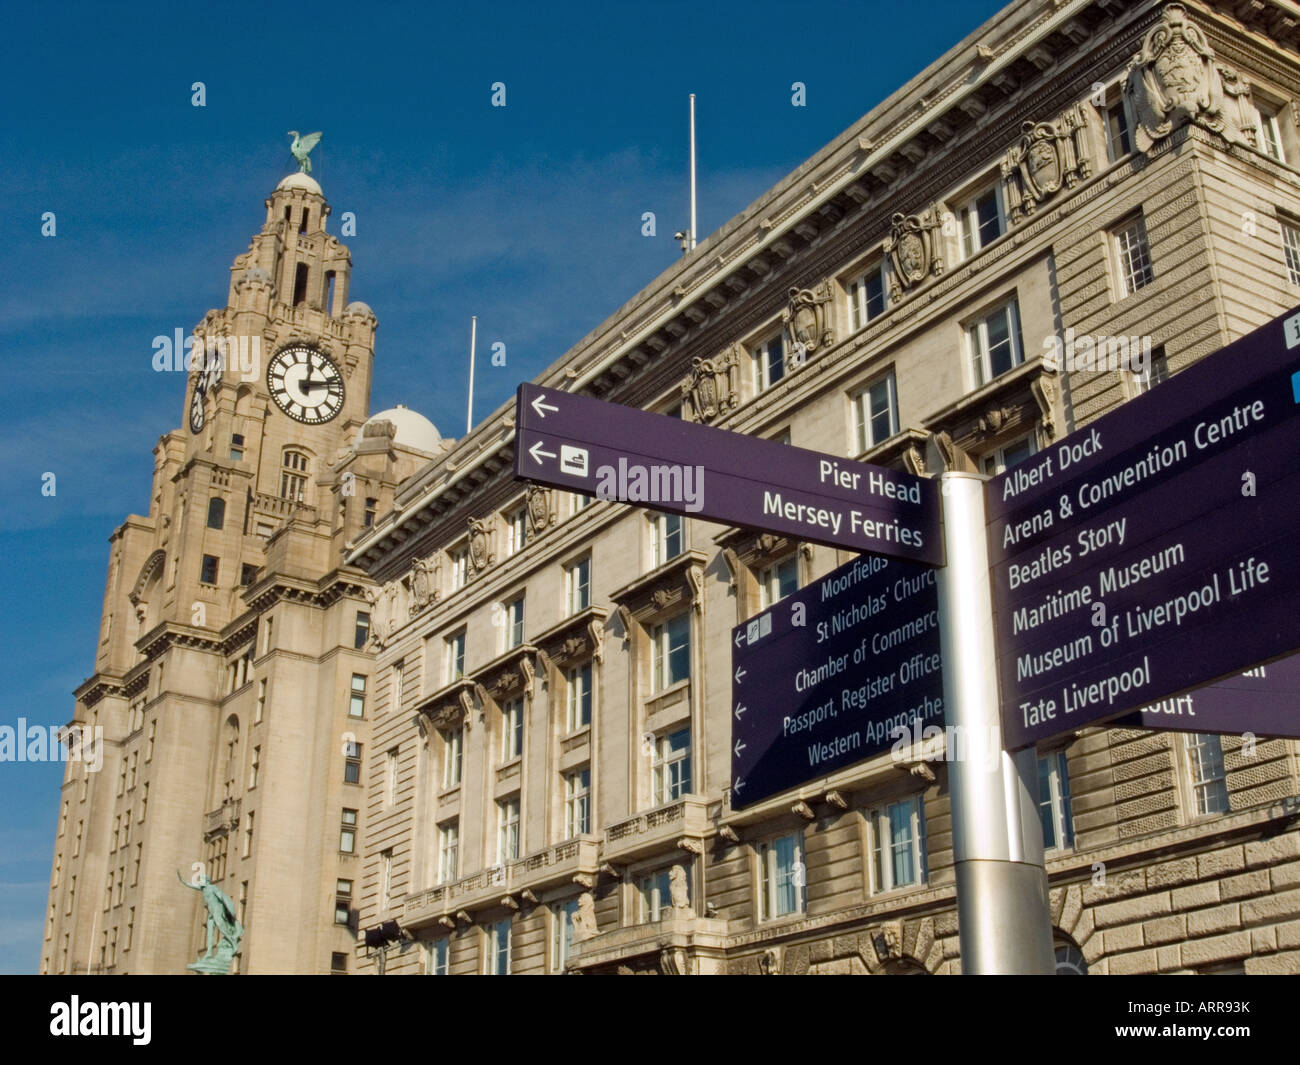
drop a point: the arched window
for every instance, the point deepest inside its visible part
(216, 512)
(1070, 960)
(293, 475)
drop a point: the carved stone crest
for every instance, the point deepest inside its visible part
(914, 250)
(540, 515)
(807, 321)
(712, 389)
(1049, 156)
(424, 583)
(481, 553)
(993, 419)
(1175, 80)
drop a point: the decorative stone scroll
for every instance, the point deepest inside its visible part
(808, 323)
(915, 250)
(1049, 156)
(1175, 80)
(425, 582)
(713, 387)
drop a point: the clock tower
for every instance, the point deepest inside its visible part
(233, 677)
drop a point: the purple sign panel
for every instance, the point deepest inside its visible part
(826, 677)
(1268, 694)
(1130, 565)
(615, 452)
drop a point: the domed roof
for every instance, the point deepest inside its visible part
(413, 429)
(357, 307)
(300, 181)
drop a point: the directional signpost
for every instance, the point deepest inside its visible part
(1130, 565)
(824, 678)
(616, 452)
(1264, 700)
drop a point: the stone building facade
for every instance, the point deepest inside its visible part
(548, 789)
(232, 667)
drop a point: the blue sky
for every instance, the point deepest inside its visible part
(528, 216)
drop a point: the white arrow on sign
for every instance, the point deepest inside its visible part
(740, 709)
(739, 636)
(738, 748)
(537, 453)
(542, 407)
(739, 673)
(738, 785)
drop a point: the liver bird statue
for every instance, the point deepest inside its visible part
(302, 146)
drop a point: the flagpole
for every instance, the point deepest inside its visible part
(473, 337)
(693, 230)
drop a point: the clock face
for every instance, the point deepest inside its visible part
(210, 375)
(305, 384)
(196, 408)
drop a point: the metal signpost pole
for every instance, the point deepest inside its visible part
(1003, 917)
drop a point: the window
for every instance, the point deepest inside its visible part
(578, 501)
(216, 512)
(399, 678)
(665, 538)
(361, 634)
(72, 894)
(293, 475)
(781, 877)
(995, 345)
(980, 220)
(351, 763)
(654, 894)
(454, 659)
(76, 840)
(448, 847)
(768, 363)
(254, 765)
(348, 832)
(516, 530)
(577, 803)
(562, 914)
(368, 515)
(1133, 256)
(459, 558)
(130, 929)
(670, 776)
(875, 413)
(898, 845)
(514, 623)
(498, 949)
(208, 572)
(777, 581)
(867, 297)
(436, 956)
(385, 878)
(236, 447)
(512, 729)
(390, 776)
(1119, 139)
(508, 830)
(450, 758)
(357, 696)
(1291, 250)
(672, 651)
(1002, 459)
(259, 710)
(338, 960)
(1054, 801)
(577, 586)
(343, 902)
(247, 574)
(248, 834)
(117, 828)
(1205, 766)
(1270, 134)
(144, 802)
(1155, 370)
(579, 697)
